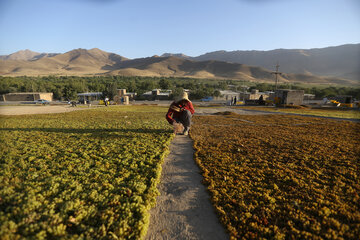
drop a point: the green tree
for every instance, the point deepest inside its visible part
(58, 93)
(69, 93)
(165, 84)
(177, 92)
(147, 85)
(222, 85)
(131, 86)
(110, 90)
(216, 93)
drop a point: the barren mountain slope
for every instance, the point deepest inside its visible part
(179, 67)
(96, 61)
(340, 61)
(75, 62)
(20, 55)
(26, 55)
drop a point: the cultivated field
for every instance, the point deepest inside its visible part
(92, 174)
(84, 174)
(321, 112)
(281, 177)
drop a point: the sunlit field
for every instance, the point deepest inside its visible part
(87, 174)
(280, 176)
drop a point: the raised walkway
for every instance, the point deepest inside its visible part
(183, 210)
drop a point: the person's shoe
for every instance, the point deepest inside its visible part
(186, 131)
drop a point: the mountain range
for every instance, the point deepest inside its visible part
(338, 65)
(341, 61)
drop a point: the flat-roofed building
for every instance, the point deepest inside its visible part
(289, 97)
(26, 96)
(227, 95)
(157, 94)
(89, 96)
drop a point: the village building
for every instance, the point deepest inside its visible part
(123, 93)
(289, 97)
(308, 96)
(124, 97)
(255, 95)
(227, 95)
(89, 96)
(26, 96)
(157, 94)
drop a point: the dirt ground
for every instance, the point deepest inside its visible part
(38, 109)
(21, 110)
(212, 110)
(183, 209)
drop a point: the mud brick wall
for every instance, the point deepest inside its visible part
(290, 97)
(26, 96)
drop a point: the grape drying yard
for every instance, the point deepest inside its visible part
(280, 176)
(89, 174)
(93, 174)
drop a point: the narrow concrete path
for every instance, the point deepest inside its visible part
(183, 210)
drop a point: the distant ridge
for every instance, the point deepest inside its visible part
(340, 61)
(75, 62)
(26, 55)
(180, 55)
(97, 62)
(179, 67)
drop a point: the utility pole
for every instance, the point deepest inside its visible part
(244, 90)
(276, 74)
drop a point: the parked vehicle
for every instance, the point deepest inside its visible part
(207, 99)
(42, 101)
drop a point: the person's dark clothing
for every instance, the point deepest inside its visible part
(184, 119)
(261, 100)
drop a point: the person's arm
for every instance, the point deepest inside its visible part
(191, 107)
(169, 116)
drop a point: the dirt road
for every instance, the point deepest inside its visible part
(21, 110)
(183, 209)
(212, 110)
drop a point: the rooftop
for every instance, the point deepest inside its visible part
(90, 94)
(29, 93)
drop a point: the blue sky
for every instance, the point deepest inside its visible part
(142, 28)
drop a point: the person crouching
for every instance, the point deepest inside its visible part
(181, 111)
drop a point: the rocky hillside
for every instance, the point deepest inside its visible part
(341, 61)
(98, 62)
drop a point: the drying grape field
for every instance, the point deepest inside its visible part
(280, 176)
(93, 174)
(81, 175)
(331, 112)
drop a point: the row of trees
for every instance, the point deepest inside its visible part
(67, 87)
